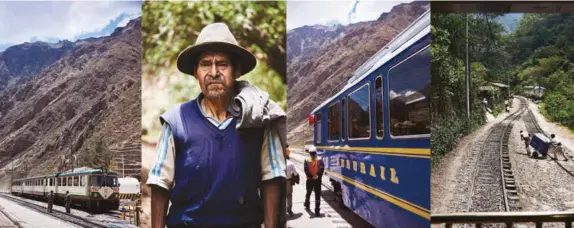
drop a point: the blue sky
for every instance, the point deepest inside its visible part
(54, 21)
(300, 13)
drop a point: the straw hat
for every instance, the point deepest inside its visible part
(215, 37)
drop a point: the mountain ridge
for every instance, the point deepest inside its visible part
(92, 89)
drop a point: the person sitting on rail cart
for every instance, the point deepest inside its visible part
(314, 169)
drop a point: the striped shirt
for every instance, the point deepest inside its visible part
(162, 172)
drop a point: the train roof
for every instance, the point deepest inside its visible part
(414, 32)
(79, 171)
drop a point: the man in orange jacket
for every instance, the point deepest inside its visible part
(314, 169)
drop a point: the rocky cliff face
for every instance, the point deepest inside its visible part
(320, 58)
(58, 96)
(21, 62)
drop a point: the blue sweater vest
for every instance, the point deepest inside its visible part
(217, 172)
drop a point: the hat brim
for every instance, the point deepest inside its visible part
(189, 57)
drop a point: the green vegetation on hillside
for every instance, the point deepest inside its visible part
(542, 48)
(448, 95)
(169, 27)
(540, 52)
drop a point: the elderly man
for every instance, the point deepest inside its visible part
(220, 158)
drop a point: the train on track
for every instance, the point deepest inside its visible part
(92, 188)
(374, 134)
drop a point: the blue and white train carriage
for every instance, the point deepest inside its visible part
(93, 188)
(374, 134)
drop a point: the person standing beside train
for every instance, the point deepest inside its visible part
(292, 178)
(50, 201)
(216, 166)
(68, 201)
(314, 169)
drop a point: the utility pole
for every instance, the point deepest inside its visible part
(467, 73)
(123, 164)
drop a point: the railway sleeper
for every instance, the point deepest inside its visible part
(511, 186)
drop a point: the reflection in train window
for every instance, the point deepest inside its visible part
(409, 91)
(343, 115)
(359, 113)
(379, 107)
(318, 125)
(333, 128)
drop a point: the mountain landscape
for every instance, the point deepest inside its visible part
(54, 98)
(321, 58)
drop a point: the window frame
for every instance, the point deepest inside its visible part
(389, 97)
(368, 85)
(343, 119)
(339, 120)
(382, 108)
(318, 117)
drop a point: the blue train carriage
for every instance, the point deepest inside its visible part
(374, 134)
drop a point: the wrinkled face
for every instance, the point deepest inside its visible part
(215, 75)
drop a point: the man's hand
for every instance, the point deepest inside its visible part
(159, 202)
(315, 177)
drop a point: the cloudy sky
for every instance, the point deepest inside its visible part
(54, 21)
(300, 13)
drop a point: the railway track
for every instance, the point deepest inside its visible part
(533, 127)
(77, 220)
(493, 187)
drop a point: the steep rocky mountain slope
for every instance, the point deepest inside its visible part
(66, 94)
(320, 58)
(21, 62)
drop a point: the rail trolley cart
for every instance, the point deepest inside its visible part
(540, 143)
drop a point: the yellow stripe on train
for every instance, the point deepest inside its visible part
(129, 196)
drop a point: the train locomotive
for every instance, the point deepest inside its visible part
(374, 134)
(92, 188)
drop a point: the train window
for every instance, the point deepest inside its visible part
(343, 115)
(64, 181)
(409, 91)
(359, 113)
(333, 124)
(379, 107)
(76, 181)
(82, 181)
(318, 126)
(70, 181)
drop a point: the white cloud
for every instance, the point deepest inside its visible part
(20, 21)
(321, 12)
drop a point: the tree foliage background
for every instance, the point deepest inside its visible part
(488, 64)
(542, 49)
(169, 27)
(95, 154)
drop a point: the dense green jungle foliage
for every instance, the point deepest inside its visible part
(448, 95)
(542, 50)
(539, 52)
(169, 27)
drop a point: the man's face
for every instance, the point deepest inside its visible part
(215, 75)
